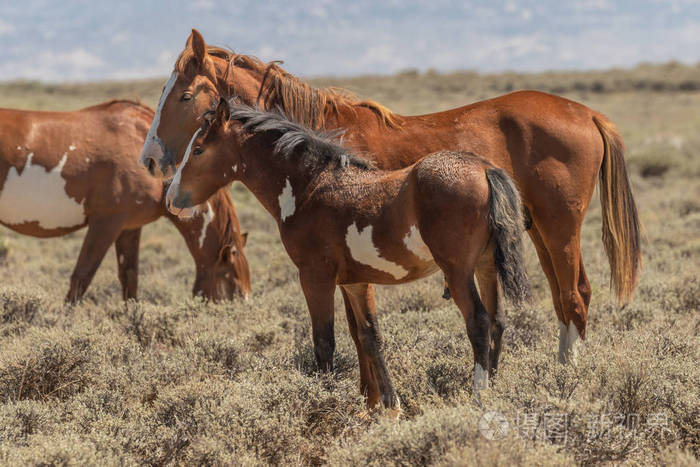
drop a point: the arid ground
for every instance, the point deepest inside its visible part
(174, 380)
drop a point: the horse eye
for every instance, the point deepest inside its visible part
(197, 151)
(186, 96)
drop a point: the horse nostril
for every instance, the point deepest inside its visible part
(151, 166)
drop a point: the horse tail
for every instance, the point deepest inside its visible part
(506, 225)
(621, 228)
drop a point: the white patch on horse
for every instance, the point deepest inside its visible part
(569, 342)
(87, 159)
(39, 195)
(152, 145)
(71, 147)
(287, 201)
(174, 187)
(235, 168)
(121, 259)
(363, 251)
(563, 338)
(481, 380)
(19, 148)
(414, 243)
(573, 342)
(207, 217)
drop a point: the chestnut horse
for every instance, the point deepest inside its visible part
(61, 171)
(553, 148)
(345, 223)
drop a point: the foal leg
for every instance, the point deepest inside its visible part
(101, 233)
(478, 323)
(127, 247)
(368, 384)
(318, 291)
(489, 290)
(362, 300)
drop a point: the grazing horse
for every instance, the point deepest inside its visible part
(62, 171)
(553, 148)
(345, 223)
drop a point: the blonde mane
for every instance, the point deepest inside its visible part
(300, 101)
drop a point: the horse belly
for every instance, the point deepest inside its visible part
(35, 202)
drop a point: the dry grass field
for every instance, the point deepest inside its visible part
(171, 380)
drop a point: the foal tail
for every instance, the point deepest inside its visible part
(621, 229)
(506, 225)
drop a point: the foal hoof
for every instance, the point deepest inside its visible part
(446, 294)
(393, 413)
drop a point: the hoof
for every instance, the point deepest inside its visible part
(446, 294)
(393, 413)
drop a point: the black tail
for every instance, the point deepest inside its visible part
(506, 224)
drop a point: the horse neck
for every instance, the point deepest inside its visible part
(272, 178)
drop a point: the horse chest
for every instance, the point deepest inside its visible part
(38, 194)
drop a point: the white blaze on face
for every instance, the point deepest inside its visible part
(71, 147)
(207, 217)
(152, 146)
(174, 187)
(39, 195)
(287, 201)
(414, 243)
(363, 251)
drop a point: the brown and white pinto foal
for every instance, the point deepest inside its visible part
(344, 223)
(61, 171)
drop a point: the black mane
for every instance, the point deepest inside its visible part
(315, 148)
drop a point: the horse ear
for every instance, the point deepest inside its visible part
(199, 47)
(245, 238)
(223, 111)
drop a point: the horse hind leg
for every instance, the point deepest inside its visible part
(566, 260)
(492, 300)
(127, 248)
(478, 323)
(368, 383)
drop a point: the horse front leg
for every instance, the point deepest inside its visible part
(101, 233)
(318, 290)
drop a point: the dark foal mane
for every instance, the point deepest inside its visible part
(317, 149)
(298, 99)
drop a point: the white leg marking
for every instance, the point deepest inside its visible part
(207, 217)
(39, 195)
(573, 343)
(152, 146)
(287, 201)
(481, 380)
(363, 251)
(414, 243)
(569, 342)
(563, 339)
